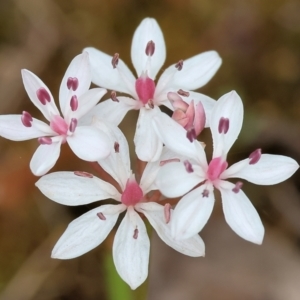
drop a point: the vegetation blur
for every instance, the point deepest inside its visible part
(259, 42)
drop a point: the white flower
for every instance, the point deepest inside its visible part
(131, 244)
(148, 53)
(75, 101)
(177, 178)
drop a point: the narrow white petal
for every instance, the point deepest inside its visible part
(173, 180)
(229, 106)
(79, 68)
(148, 145)
(270, 169)
(131, 249)
(70, 189)
(241, 215)
(111, 111)
(148, 31)
(89, 143)
(84, 234)
(195, 73)
(32, 84)
(12, 128)
(44, 158)
(87, 101)
(154, 212)
(192, 212)
(104, 75)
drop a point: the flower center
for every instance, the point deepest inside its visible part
(215, 168)
(59, 125)
(132, 194)
(145, 88)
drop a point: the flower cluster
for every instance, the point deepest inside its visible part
(172, 162)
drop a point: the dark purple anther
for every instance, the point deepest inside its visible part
(135, 233)
(74, 103)
(205, 193)
(73, 124)
(117, 147)
(72, 83)
(115, 60)
(150, 48)
(223, 125)
(188, 166)
(150, 103)
(255, 156)
(43, 96)
(191, 134)
(26, 119)
(183, 93)
(167, 212)
(113, 96)
(237, 187)
(45, 140)
(179, 65)
(83, 174)
(101, 216)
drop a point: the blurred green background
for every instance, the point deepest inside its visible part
(259, 42)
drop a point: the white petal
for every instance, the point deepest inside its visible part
(173, 180)
(44, 158)
(131, 249)
(154, 212)
(148, 31)
(148, 145)
(89, 143)
(119, 79)
(229, 106)
(241, 215)
(87, 101)
(79, 68)
(270, 169)
(70, 189)
(84, 234)
(110, 111)
(196, 72)
(192, 212)
(12, 128)
(32, 84)
(117, 164)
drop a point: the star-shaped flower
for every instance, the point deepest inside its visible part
(148, 53)
(131, 244)
(75, 100)
(177, 178)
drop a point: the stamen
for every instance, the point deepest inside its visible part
(43, 96)
(115, 60)
(45, 140)
(150, 103)
(205, 193)
(255, 156)
(150, 48)
(135, 233)
(72, 83)
(183, 93)
(179, 65)
(117, 147)
(113, 96)
(223, 125)
(163, 162)
(73, 124)
(26, 119)
(101, 216)
(188, 166)
(237, 187)
(74, 103)
(167, 212)
(83, 174)
(191, 134)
